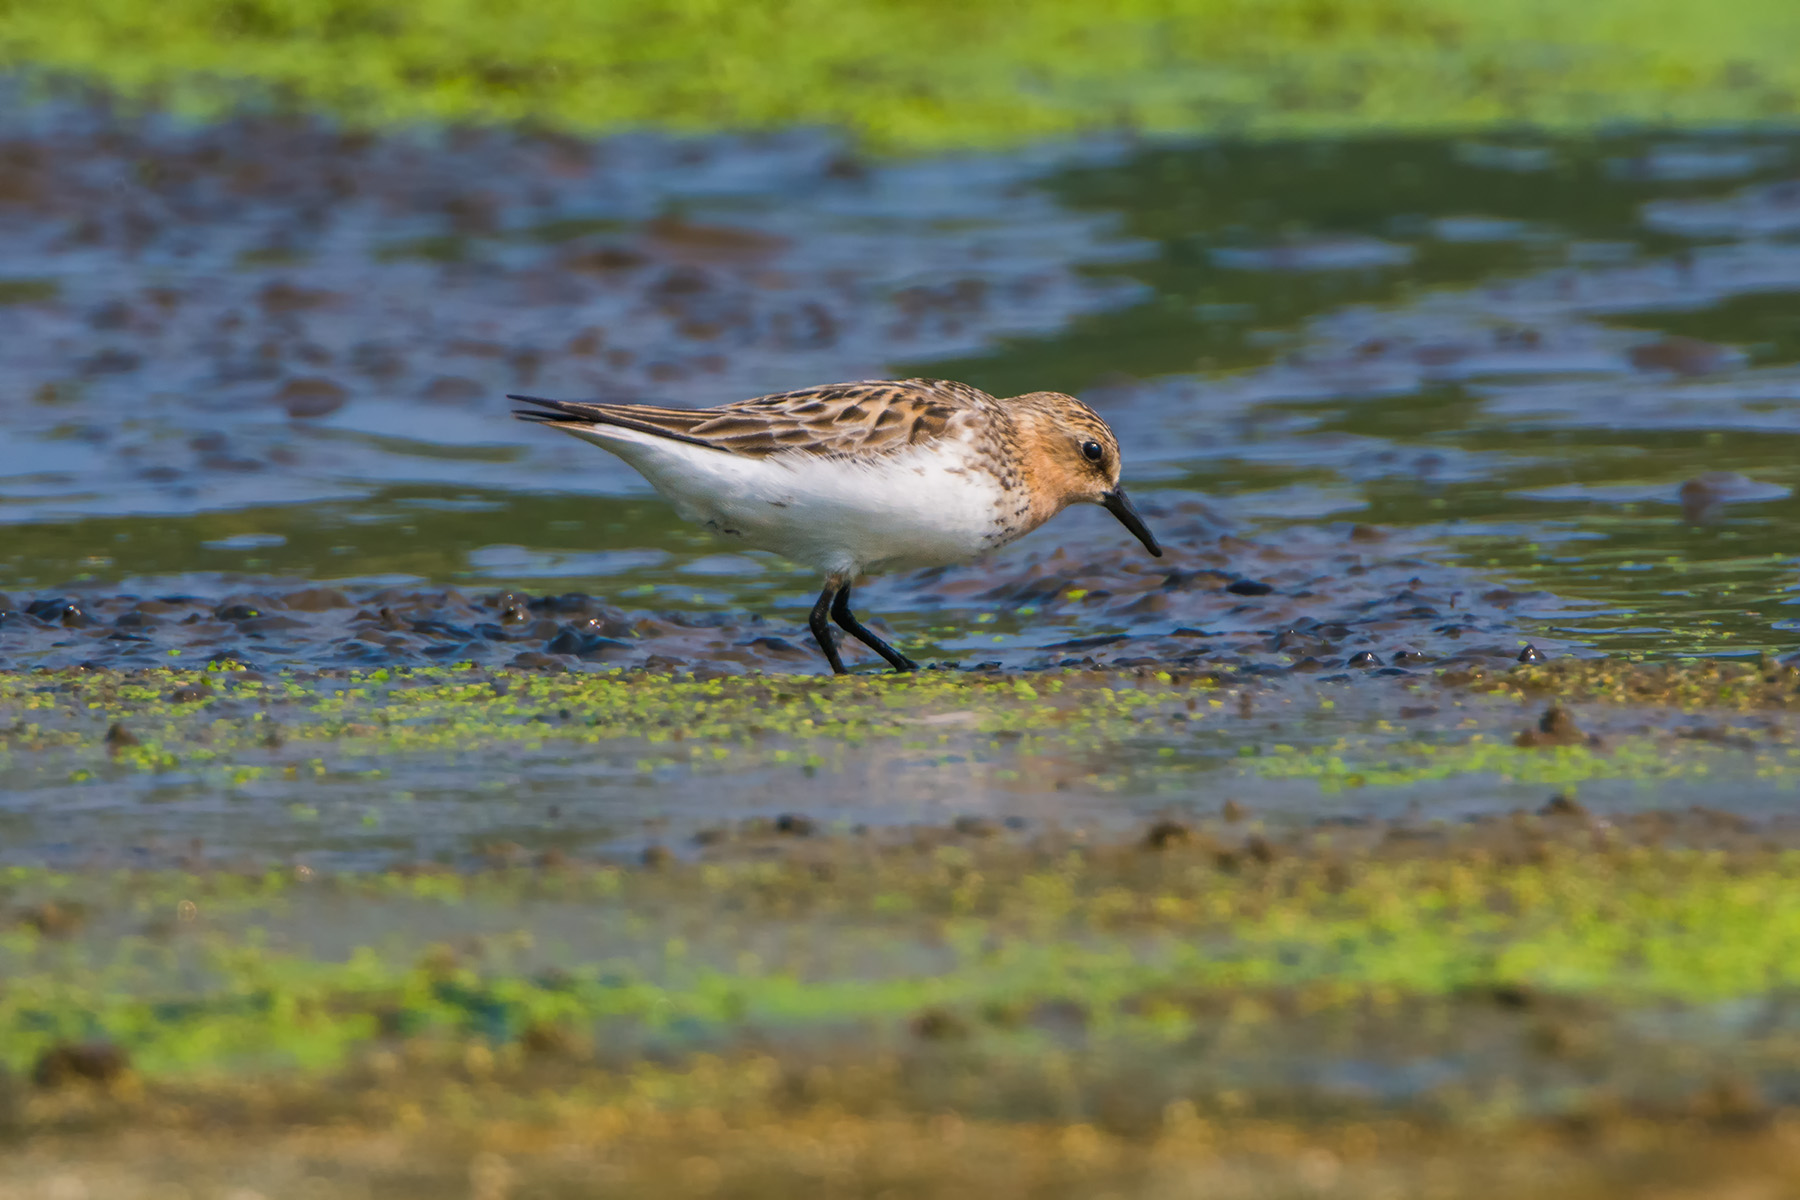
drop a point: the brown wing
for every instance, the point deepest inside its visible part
(840, 419)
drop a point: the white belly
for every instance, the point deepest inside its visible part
(919, 508)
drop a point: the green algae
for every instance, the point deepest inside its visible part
(233, 727)
(205, 718)
(196, 973)
(1414, 762)
(27, 291)
(1708, 683)
(907, 75)
(1206, 983)
(800, 927)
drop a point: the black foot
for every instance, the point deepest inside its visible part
(821, 628)
(840, 612)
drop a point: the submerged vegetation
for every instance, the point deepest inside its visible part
(904, 74)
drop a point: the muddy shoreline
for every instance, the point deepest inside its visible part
(398, 801)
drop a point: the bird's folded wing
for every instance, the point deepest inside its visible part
(837, 420)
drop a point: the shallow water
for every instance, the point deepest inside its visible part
(1561, 375)
(1395, 406)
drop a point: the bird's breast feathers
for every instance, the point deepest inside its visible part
(924, 506)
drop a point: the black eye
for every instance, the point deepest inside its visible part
(1092, 451)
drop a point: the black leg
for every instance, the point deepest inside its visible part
(821, 627)
(840, 612)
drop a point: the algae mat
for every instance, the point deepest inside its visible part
(910, 75)
(1566, 998)
(377, 769)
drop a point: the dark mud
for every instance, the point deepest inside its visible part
(1320, 600)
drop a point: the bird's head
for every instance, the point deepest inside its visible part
(1072, 457)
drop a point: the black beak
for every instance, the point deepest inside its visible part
(1119, 505)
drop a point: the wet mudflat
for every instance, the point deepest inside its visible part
(1547, 1000)
(399, 797)
(395, 931)
(462, 767)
